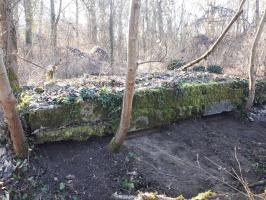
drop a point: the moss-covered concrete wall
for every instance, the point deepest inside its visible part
(97, 114)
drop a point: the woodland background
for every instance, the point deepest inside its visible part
(68, 32)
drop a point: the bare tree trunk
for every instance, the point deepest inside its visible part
(53, 31)
(8, 42)
(120, 34)
(29, 21)
(111, 35)
(8, 102)
(252, 68)
(94, 23)
(160, 19)
(121, 134)
(40, 33)
(92, 20)
(77, 21)
(214, 46)
(54, 26)
(257, 13)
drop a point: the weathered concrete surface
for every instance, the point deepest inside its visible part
(97, 113)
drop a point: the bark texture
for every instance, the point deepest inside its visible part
(29, 21)
(8, 103)
(132, 55)
(8, 42)
(252, 68)
(54, 26)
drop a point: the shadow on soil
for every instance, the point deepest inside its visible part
(184, 158)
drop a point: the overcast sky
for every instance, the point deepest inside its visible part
(192, 7)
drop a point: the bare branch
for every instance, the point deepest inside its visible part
(31, 62)
(214, 46)
(59, 12)
(156, 61)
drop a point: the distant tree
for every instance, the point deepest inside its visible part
(257, 13)
(91, 20)
(8, 103)
(29, 21)
(111, 34)
(160, 19)
(132, 55)
(252, 68)
(77, 21)
(54, 26)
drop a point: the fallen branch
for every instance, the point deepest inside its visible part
(31, 62)
(259, 183)
(213, 47)
(50, 69)
(144, 196)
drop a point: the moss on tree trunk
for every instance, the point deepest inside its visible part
(13, 79)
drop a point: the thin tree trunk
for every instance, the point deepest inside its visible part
(121, 134)
(29, 21)
(94, 31)
(53, 31)
(214, 46)
(257, 13)
(160, 19)
(111, 35)
(252, 68)
(54, 26)
(40, 33)
(8, 102)
(77, 21)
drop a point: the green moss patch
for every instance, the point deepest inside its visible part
(152, 107)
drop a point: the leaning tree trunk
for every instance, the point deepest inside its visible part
(215, 45)
(8, 103)
(252, 68)
(8, 42)
(132, 54)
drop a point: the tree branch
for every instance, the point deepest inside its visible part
(31, 62)
(156, 61)
(59, 12)
(214, 46)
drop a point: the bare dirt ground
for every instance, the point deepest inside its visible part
(184, 158)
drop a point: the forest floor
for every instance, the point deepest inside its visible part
(185, 158)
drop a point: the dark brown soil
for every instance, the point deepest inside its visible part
(179, 159)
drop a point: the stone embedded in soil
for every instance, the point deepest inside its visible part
(70, 177)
